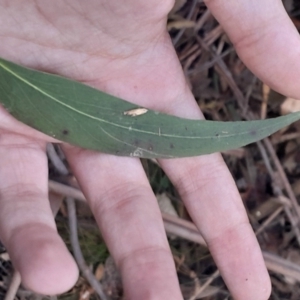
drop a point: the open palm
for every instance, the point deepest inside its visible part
(124, 49)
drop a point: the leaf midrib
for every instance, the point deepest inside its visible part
(111, 123)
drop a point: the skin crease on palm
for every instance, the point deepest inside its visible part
(124, 49)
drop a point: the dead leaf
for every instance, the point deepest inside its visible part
(99, 272)
(290, 105)
(166, 205)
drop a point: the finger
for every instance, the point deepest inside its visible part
(211, 197)
(209, 193)
(265, 38)
(212, 200)
(10, 124)
(130, 221)
(27, 227)
(206, 185)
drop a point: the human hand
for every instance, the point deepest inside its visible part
(125, 50)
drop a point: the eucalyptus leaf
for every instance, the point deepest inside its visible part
(86, 117)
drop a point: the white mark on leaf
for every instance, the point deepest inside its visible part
(135, 112)
(137, 153)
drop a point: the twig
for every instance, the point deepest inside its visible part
(279, 191)
(210, 63)
(182, 228)
(213, 35)
(263, 226)
(225, 71)
(65, 190)
(286, 137)
(191, 49)
(248, 94)
(181, 32)
(14, 286)
(95, 284)
(241, 100)
(56, 161)
(188, 230)
(273, 262)
(283, 177)
(205, 16)
(282, 266)
(205, 285)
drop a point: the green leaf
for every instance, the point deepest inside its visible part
(86, 117)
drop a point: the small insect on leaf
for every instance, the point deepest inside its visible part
(135, 112)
